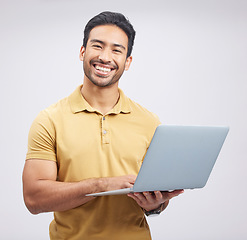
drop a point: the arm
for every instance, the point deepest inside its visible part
(43, 193)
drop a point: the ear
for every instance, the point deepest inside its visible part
(82, 52)
(127, 63)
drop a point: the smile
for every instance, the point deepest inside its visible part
(102, 69)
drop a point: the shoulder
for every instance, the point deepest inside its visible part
(139, 110)
(135, 108)
(55, 110)
(45, 121)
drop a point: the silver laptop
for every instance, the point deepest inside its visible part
(179, 157)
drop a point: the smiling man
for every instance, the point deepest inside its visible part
(107, 58)
(93, 141)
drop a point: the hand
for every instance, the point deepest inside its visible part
(152, 200)
(120, 182)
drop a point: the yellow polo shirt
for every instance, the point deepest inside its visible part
(85, 144)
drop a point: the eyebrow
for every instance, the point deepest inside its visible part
(101, 42)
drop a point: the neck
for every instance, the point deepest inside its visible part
(102, 99)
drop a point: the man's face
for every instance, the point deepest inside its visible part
(104, 58)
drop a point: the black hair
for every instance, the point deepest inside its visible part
(111, 18)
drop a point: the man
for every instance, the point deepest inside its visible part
(93, 141)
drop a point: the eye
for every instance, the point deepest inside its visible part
(117, 51)
(96, 46)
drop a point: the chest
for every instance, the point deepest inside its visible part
(92, 145)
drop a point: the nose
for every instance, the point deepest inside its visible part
(105, 55)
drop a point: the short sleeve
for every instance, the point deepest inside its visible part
(158, 122)
(41, 138)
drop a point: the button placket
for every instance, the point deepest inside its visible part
(105, 131)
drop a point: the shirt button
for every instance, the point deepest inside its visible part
(104, 132)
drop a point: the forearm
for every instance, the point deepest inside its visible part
(50, 196)
(42, 193)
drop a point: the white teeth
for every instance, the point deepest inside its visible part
(103, 69)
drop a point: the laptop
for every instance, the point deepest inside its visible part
(179, 157)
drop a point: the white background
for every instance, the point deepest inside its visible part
(189, 67)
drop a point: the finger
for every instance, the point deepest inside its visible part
(140, 196)
(150, 197)
(132, 178)
(131, 195)
(128, 185)
(159, 196)
(175, 193)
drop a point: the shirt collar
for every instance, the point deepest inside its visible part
(79, 104)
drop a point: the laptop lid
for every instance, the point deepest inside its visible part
(180, 157)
